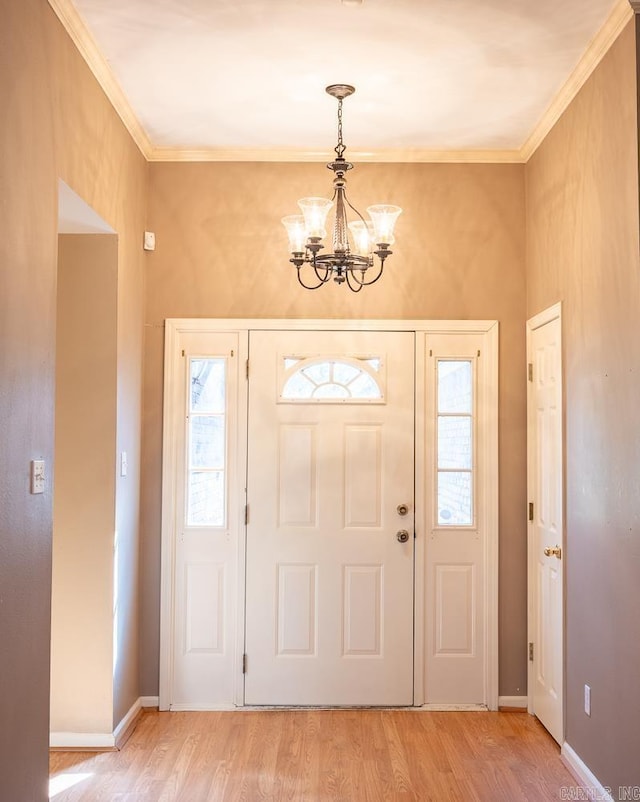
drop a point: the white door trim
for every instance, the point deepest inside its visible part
(537, 321)
(175, 327)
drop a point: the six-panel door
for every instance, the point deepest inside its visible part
(329, 583)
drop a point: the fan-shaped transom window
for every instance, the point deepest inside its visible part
(333, 380)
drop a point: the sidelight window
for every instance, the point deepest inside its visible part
(206, 443)
(455, 442)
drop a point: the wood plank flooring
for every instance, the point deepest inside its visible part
(318, 755)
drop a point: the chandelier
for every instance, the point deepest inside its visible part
(355, 244)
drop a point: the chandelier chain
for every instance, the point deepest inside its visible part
(340, 147)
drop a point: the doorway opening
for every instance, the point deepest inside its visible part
(315, 473)
(85, 475)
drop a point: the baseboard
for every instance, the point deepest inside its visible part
(512, 702)
(149, 701)
(82, 741)
(103, 741)
(436, 707)
(223, 708)
(583, 774)
(127, 725)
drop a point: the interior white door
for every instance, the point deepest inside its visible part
(546, 523)
(329, 579)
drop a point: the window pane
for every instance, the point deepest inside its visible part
(331, 380)
(206, 499)
(344, 373)
(455, 386)
(454, 442)
(318, 373)
(364, 387)
(298, 387)
(206, 441)
(207, 385)
(454, 499)
(331, 391)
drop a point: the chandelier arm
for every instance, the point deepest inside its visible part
(308, 286)
(377, 277)
(354, 284)
(316, 270)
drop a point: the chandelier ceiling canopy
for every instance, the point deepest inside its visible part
(355, 244)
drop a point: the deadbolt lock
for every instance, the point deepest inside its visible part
(402, 509)
(402, 536)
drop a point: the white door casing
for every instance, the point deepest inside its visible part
(329, 617)
(227, 691)
(546, 528)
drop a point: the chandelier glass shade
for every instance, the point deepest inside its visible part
(355, 244)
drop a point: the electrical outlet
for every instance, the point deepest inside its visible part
(587, 699)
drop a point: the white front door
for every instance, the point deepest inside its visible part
(546, 520)
(329, 575)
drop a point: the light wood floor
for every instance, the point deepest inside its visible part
(322, 755)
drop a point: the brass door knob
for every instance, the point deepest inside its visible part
(402, 536)
(556, 551)
(402, 509)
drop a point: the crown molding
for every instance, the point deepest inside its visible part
(77, 29)
(83, 39)
(617, 20)
(414, 155)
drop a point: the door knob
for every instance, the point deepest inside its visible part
(402, 536)
(556, 551)
(402, 509)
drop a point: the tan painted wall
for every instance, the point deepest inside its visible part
(85, 483)
(56, 122)
(221, 252)
(97, 158)
(582, 249)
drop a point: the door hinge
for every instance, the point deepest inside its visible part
(247, 368)
(530, 652)
(531, 510)
(244, 663)
(183, 352)
(530, 371)
(246, 514)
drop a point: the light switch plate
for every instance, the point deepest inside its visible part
(37, 476)
(123, 463)
(149, 241)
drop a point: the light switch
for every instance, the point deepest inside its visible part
(149, 241)
(37, 476)
(123, 463)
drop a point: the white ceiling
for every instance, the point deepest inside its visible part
(430, 75)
